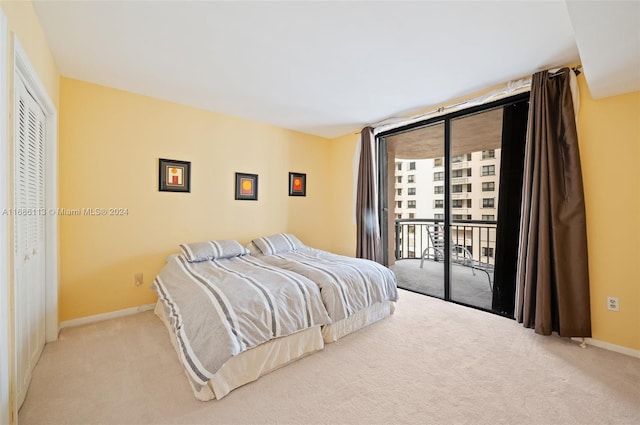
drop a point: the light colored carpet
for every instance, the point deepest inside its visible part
(432, 362)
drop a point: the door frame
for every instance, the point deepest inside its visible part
(445, 119)
(5, 315)
(25, 71)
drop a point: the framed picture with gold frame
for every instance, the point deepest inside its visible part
(174, 175)
(246, 187)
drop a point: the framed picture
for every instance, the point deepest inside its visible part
(297, 184)
(246, 187)
(175, 176)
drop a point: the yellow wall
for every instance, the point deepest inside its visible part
(24, 23)
(609, 131)
(110, 142)
(609, 134)
(342, 182)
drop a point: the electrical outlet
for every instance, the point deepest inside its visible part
(138, 279)
(613, 304)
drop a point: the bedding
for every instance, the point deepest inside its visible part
(347, 285)
(221, 307)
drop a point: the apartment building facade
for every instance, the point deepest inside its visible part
(419, 195)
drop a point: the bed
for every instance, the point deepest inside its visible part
(232, 318)
(356, 292)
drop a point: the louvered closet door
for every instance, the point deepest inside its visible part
(29, 233)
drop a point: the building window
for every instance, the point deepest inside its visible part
(488, 186)
(461, 217)
(438, 190)
(463, 172)
(398, 192)
(412, 215)
(488, 170)
(399, 166)
(461, 203)
(487, 251)
(411, 191)
(398, 204)
(438, 203)
(488, 217)
(438, 216)
(460, 158)
(488, 203)
(438, 176)
(398, 216)
(399, 179)
(490, 153)
(411, 204)
(437, 162)
(412, 165)
(411, 179)
(458, 188)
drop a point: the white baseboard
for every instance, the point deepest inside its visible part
(106, 316)
(611, 347)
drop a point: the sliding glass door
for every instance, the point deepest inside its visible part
(453, 196)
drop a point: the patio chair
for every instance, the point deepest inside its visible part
(460, 254)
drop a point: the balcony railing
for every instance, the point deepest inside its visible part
(477, 236)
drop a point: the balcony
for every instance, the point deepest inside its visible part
(459, 180)
(460, 165)
(461, 195)
(469, 285)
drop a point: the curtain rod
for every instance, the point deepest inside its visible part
(512, 87)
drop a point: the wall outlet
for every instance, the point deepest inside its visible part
(613, 304)
(138, 278)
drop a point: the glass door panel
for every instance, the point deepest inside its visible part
(476, 142)
(416, 174)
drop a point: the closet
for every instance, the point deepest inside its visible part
(29, 215)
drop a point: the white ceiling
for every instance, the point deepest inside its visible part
(329, 68)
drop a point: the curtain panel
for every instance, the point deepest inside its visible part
(552, 291)
(367, 223)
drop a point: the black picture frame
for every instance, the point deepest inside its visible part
(174, 175)
(297, 184)
(246, 187)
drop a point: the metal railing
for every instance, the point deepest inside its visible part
(477, 236)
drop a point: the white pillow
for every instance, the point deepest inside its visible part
(274, 244)
(212, 250)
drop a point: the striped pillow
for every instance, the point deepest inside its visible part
(212, 250)
(274, 244)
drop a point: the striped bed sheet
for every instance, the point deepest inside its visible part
(348, 285)
(218, 309)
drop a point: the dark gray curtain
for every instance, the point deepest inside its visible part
(368, 227)
(553, 274)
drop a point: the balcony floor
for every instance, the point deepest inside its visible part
(465, 287)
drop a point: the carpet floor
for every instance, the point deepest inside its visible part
(432, 362)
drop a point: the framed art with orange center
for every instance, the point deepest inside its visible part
(246, 187)
(297, 184)
(174, 175)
